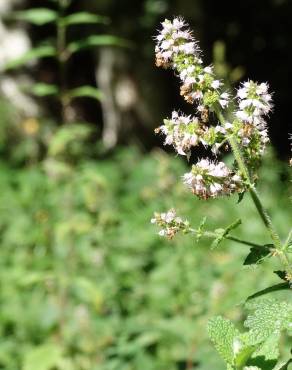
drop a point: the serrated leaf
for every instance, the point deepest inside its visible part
(42, 357)
(223, 334)
(85, 92)
(83, 18)
(33, 54)
(257, 254)
(270, 349)
(36, 16)
(267, 354)
(42, 89)
(95, 41)
(273, 288)
(269, 317)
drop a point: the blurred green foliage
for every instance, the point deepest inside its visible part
(87, 284)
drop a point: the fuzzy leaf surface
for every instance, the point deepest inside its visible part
(270, 317)
(223, 334)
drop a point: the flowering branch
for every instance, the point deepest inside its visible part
(246, 134)
(171, 224)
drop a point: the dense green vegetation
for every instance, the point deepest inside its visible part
(86, 283)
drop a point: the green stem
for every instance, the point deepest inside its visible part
(210, 234)
(62, 60)
(255, 197)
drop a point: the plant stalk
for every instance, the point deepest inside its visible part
(62, 61)
(256, 199)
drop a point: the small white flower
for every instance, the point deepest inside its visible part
(208, 69)
(209, 179)
(216, 84)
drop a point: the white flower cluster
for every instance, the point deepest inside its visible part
(185, 132)
(177, 48)
(173, 39)
(254, 103)
(208, 179)
(170, 224)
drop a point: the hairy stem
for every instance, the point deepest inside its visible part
(210, 234)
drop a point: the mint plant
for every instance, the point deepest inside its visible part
(243, 132)
(61, 49)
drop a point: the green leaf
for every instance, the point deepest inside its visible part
(85, 92)
(37, 16)
(240, 197)
(233, 226)
(200, 229)
(270, 316)
(243, 355)
(267, 354)
(42, 89)
(222, 233)
(66, 136)
(223, 334)
(273, 288)
(44, 51)
(43, 357)
(257, 254)
(282, 274)
(83, 18)
(97, 40)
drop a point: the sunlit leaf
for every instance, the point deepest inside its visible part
(223, 334)
(44, 51)
(85, 92)
(97, 40)
(42, 357)
(83, 18)
(42, 89)
(37, 16)
(269, 317)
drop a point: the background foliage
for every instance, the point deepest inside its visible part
(85, 282)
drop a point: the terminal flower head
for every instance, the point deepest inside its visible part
(176, 48)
